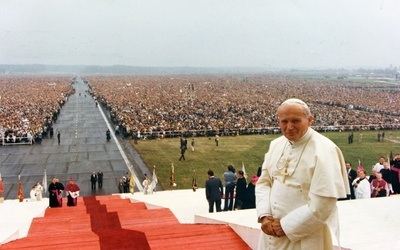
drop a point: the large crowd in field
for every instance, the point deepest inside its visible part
(199, 103)
(30, 104)
(241, 104)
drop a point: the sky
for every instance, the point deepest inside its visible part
(202, 33)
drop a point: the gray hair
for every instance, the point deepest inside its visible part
(297, 101)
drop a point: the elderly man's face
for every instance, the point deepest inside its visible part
(293, 121)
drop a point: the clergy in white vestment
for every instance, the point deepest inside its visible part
(302, 177)
(362, 187)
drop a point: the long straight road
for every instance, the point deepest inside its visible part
(83, 150)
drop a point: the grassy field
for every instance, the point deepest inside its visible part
(247, 150)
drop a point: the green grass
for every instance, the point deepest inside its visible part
(249, 150)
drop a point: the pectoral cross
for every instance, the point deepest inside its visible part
(284, 172)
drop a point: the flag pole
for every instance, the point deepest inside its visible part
(172, 176)
(154, 181)
(131, 181)
(20, 191)
(44, 181)
(244, 171)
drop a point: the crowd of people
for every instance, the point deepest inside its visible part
(56, 192)
(237, 194)
(124, 184)
(157, 106)
(383, 181)
(30, 105)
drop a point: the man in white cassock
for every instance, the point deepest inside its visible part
(302, 177)
(362, 187)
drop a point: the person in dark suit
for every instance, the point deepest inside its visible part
(183, 150)
(100, 178)
(241, 191)
(55, 193)
(214, 192)
(59, 137)
(93, 180)
(352, 175)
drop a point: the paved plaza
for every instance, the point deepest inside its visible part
(83, 149)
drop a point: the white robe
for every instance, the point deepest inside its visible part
(39, 190)
(307, 199)
(146, 187)
(33, 195)
(363, 190)
(378, 167)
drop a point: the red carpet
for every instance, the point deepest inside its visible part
(109, 222)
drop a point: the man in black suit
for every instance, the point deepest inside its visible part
(214, 192)
(93, 180)
(100, 178)
(352, 174)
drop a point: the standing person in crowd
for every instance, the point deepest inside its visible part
(395, 168)
(214, 192)
(230, 184)
(379, 165)
(241, 188)
(55, 193)
(362, 187)
(146, 185)
(93, 180)
(121, 185)
(100, 178)
(58, 137)
(302, 177)
(379, 187)
(387, 176)
(372, 176)
(250, 193)
(39, 191)
(126, 179)
(352, 175)
(108, 135)
(192, 144)
(350, 138)
(125, 185)
(72, 193)
(33, 193)
(183, 150)
(51, 131)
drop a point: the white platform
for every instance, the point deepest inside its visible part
(16, 218)
(364, 224)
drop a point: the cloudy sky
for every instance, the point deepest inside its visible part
(201, 33)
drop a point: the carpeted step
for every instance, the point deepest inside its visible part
(53, 239)
(114, 223)
(109, 197)
(120, 204)
(62, 224)
(194, 237)
(141, 219)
